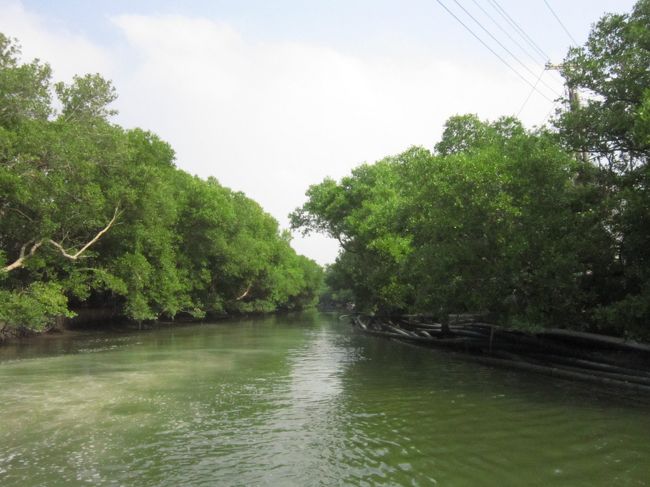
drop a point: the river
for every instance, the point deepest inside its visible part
(300, 400)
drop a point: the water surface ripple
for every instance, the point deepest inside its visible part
(300, 400)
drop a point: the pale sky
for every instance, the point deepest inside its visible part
(272, 96)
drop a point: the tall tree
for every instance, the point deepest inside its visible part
(612, 71)
(92, 215)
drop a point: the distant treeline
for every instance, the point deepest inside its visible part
(541, 228)
(96, 216)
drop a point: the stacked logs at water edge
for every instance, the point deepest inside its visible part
(560, 353)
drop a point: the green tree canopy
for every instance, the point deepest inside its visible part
(93, 215)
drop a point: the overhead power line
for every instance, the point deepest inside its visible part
(522, 33)
(501, 28)
(575, 43)
(523, 105)
(504, 47)
(492, 50)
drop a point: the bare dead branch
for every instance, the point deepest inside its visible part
(245, 293)
(21, 213)
(24, 254)
(77, 254)
(20, 261)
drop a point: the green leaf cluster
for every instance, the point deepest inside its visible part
(178, 244)
(610, 128)
(538, 228)
(485, 223)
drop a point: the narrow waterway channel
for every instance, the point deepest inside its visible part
(300, 400)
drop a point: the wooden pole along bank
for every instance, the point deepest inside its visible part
(566, 354)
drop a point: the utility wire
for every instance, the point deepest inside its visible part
(518, 29)
(531, 93)
(515, 41)
(561, 23)
(492, 50)
(505, 48)
(524, 49)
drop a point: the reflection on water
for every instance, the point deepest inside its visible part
(299, 400)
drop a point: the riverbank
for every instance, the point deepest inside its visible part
(101, 321)
(564, 354)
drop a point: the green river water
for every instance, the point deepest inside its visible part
(300, 400)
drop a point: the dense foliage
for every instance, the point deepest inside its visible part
(539, 228)
(612, 128)
(93, 215)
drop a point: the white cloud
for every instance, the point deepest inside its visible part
(270, 118)
(67, 52)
